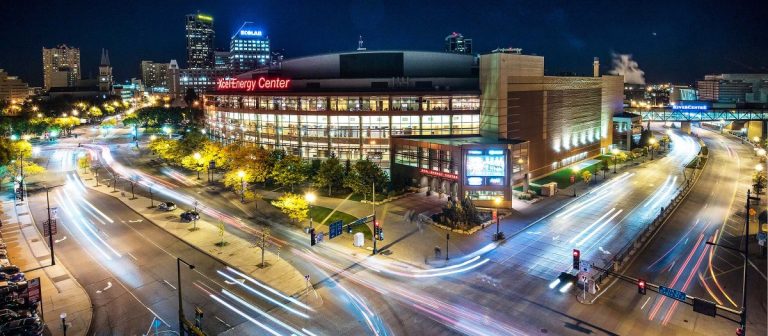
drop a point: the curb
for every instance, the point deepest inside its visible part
(58, 262)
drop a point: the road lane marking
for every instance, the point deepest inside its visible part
(646, 302)
(131, 255)
(169, 284)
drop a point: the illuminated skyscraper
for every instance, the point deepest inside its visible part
(200, 41)
(61, 66)
(249, 48)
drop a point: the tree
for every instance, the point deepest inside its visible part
(330, 174)
(108, 123)
(167, 149)
(84, 162)
(190, 96)
(6, 151)
(289, 171)
(586, 176)
(363, 175)
(604, 167)
(95, 112)
(293, 205)
(759, 181)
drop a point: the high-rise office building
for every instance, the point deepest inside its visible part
(457, 43)
(221, 61)
(105, 72)
(61, 66)
(248, 48)
(200, 36)
(154, 75)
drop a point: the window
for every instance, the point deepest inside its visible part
(466, 103)
(431, 103)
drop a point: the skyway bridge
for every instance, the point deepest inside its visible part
(726, 115)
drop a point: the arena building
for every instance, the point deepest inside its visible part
(455, 123)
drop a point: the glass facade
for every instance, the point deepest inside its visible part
(350, 127)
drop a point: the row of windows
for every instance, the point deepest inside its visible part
(351, 103)
(376, 127)
(433, 159)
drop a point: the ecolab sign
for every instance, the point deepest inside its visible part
(261, 83)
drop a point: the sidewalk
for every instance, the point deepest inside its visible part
(60, 291)
(238, 252)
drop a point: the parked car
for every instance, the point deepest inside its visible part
(189, 215)
(167, 206)
(26, 326)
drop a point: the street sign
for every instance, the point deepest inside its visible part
(33, 290)
(212, 164)
(335, 229)
(761, 236)
(319, 237)
(53, 228)
(672, 293)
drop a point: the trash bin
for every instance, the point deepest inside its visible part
(358, 240)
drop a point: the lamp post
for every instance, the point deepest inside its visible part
(373, 204)
(614, 151)
(151, 196)
(651, 142)
(197, 156)
(310, 197)
(63, 317)
(178, 284)
(241, 175)
(497, 202)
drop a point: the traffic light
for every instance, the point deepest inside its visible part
(576, 257)
(376, 230)
(641, 286)
(198, 316)
(312, 237)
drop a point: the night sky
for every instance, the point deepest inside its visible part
(677, 41)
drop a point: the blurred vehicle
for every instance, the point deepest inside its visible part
(167, 206)
(189, 215)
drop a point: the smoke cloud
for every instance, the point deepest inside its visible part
(624, 65)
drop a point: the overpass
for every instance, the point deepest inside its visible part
(659, 114)
(727, 115)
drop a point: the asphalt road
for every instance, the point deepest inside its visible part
(506, 290)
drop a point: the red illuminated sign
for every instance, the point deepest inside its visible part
(439, 174)
(261, 83)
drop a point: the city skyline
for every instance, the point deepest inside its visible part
(570, 34)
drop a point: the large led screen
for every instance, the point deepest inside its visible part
(486, 165)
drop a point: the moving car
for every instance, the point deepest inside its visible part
(189, 215)
(167, 206)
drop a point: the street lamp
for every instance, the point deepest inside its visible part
(756, 139)
(64, 322)
(178, 284)
(241, 175)
(152, 137)
(310, 197)
(759, 167)
(497, 203)
(614, 151)
(652, 142)
(197, 156)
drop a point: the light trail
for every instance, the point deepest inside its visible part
(599, 228)
(658, 191)
(266, 297)
(592, 225)
(260, 312)
(274, 291)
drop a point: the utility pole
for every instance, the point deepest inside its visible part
(50, 233)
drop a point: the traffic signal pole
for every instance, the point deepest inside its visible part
(375, 229)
